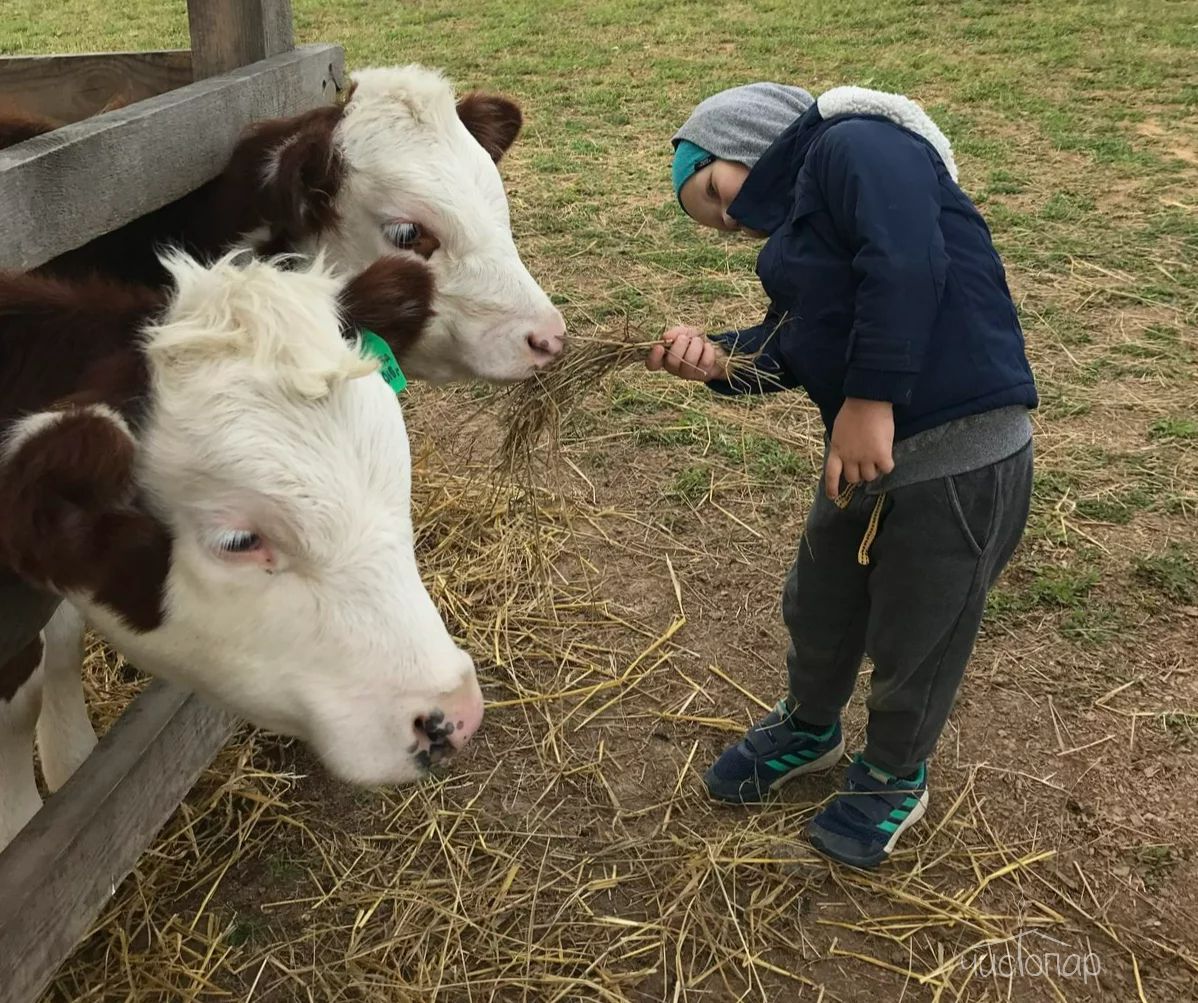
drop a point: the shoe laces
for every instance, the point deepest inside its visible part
(763, 727)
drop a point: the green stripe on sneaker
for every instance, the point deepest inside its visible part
(887, 826)
(899, 814)
(773, 764)
(796, 759)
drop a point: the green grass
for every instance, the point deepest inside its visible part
(1181, 427)
(691, 485)
(1062, 587)
(1118, 506)
(245, 928)
(1173, 574)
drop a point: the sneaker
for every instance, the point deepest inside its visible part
(770, 754)
(864, 822)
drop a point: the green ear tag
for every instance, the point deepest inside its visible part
(373, 345)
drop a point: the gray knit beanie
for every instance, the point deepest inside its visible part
(737, 124)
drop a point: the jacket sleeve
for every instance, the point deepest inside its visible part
(883, 192)
(766, 372)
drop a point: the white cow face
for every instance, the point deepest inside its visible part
(420, 178)
(274, 459)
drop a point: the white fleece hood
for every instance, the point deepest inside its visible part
(901, 110)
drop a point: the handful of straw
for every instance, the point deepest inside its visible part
(537, 408)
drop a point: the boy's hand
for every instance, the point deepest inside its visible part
(862, 444)
(686, 353)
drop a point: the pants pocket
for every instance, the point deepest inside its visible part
(973, 500)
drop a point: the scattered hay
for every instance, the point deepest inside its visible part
(572, 857)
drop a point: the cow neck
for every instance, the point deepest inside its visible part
(77, 343)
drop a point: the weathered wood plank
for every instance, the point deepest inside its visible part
(226, 34)
(64, 865)
(68, 88)
(60, 190)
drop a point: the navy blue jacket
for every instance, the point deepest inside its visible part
(882, 278)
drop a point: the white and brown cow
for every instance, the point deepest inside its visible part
(402, 171)
(402, 168)
(217, 477)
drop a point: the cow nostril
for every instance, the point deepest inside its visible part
(546, 343)
(435, 728)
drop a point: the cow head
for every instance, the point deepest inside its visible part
(404, 169)
(246, 530)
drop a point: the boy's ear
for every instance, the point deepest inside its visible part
(393, 298)
(67, 518)
(493, 120)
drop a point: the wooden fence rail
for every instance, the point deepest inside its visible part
(57, 192)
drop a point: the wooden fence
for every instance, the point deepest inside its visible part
(180, 114)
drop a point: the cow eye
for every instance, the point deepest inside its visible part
(403, 235)
(238, 541)
(408, 236)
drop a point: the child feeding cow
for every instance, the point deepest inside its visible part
(889, 305)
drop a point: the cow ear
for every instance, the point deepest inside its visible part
(302, 177)
(67, 522)
(393, 298)
(493, 120)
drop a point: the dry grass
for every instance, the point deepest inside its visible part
(534, 413)
(539, 868)
(572, 856)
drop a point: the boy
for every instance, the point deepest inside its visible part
(889, 305)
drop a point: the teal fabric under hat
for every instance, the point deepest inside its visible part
(738, 124)
(688, 158)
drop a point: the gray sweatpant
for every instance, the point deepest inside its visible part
(915, 608)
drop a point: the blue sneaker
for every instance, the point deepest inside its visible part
(863, 824)
(770, 754)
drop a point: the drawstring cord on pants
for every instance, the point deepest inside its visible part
(871, 530)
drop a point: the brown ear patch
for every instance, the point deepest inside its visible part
(284, 173)
(67, 521)
(71, 341)
(493, 120)
(393, 298)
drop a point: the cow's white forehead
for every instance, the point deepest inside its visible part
(402, 139)
(424, 94)
(255, 390)
(280, 324)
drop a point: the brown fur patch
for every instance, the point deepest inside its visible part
(288, 173)
(16, 671)
(17, 126)
(67, 521)
(297, 201)
(393, 298)
(493, 120)
(71, 342)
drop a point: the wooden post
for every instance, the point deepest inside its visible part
(66, 863)
(68, 88)
(227, 34)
